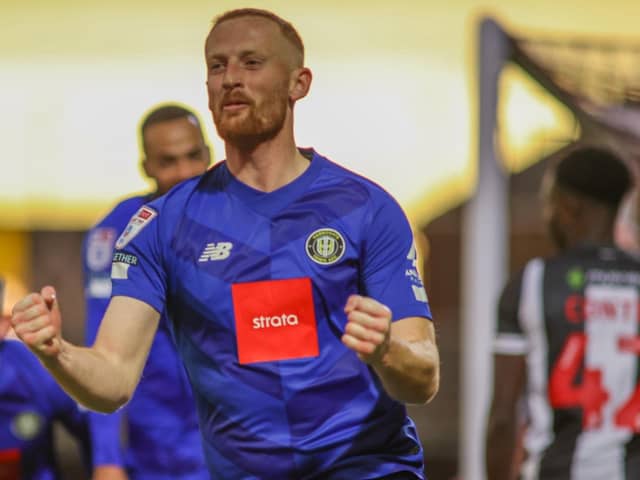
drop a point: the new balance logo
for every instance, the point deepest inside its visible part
(216, 251)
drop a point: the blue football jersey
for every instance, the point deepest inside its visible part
(163, 438)
(255, 286)
(30, 402)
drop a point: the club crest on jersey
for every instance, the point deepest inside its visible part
(325, 246)
(140, 220)
(27, 425)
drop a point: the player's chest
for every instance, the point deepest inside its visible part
(273, 285)
(242, 247)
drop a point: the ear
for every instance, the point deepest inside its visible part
(299, 83)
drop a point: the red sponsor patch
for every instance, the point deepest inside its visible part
(10, 464)
(275, 320)
(145, 213)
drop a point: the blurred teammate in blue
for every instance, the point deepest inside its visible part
(163, 440)
(30, 403)
(290, 283)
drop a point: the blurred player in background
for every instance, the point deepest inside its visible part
(290, 282)
(163, 440)
(567, 337)
(627, 234)
(30, 403)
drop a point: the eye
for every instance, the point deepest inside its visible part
(166, 161)
(216, 67)
(252, 63)
(195, 155)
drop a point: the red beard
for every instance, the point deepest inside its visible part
(253, 124)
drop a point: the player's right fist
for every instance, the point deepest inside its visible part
(36, 321)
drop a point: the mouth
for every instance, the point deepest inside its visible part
(234, 102)
(234, 106)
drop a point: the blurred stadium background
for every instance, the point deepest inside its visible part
(398, 95)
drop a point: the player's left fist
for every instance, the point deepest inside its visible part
(368, 328)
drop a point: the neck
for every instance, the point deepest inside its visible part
(596, 233)
(268, 165)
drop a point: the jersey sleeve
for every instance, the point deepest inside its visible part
(105, 434)
(137, 268)
(510, 338)
(390, 270)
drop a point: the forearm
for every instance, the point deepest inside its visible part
(109, 472)
(500, 448)
(410, 370)
(103, 376)
(94, 379)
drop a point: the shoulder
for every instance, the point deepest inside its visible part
(175, 199)
(535, 263)
(355, 182)
(513, 287)
(167, 212)
(630, 260)
(122, 212)
(99, 241)
(593, 256)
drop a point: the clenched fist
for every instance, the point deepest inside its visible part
(36, 321)
(368, 328)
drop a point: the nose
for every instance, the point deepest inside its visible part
(232, 76)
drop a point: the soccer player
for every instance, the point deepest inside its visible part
(163, 439)
(30, 403)
(567, 337)
(290, 284)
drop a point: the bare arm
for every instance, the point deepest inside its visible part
(109, 472)
(509, 373)
(104, 376)
(403, 353)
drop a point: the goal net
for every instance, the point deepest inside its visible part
(598, 81)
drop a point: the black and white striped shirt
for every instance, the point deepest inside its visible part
(575, 317)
